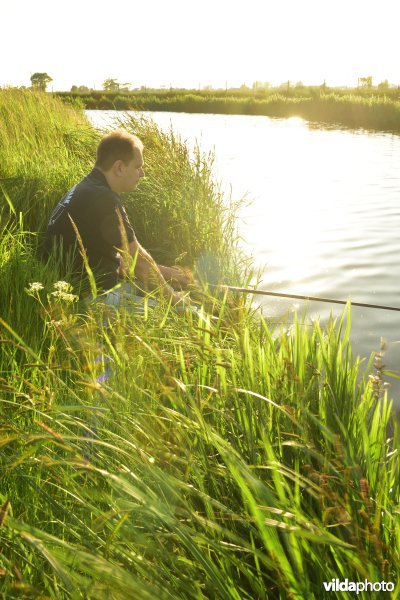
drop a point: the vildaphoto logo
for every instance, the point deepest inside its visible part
(335, 585)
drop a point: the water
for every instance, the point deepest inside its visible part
(324, 218)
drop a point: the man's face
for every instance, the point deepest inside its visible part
(132, 172)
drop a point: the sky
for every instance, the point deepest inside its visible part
(183, 43)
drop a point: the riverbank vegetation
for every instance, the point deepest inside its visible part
(159, 455)
(377, 109)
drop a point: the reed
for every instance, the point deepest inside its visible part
(357, 108)
(198, 456)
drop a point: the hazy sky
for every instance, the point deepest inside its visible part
(209, 42)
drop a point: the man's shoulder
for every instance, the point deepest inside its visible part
(95, 183)
(93, 190)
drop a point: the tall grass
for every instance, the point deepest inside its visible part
(198, 456)
(44, 148)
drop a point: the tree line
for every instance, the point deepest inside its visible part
(41, 80)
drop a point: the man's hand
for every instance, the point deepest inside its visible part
(153, 276)
(179, 275)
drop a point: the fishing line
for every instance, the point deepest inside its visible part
(312, 298)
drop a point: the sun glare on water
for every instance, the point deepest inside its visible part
(293, 207)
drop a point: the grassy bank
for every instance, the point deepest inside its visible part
(164, 456)
(351, 108)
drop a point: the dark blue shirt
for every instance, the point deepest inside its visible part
(102, 223)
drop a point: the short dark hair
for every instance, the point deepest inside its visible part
(117, 145)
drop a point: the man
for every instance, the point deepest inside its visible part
(91, 222)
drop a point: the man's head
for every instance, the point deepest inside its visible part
(120, 159)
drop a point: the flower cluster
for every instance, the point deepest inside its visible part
(63, 292)
(34, 287)
(63, 286)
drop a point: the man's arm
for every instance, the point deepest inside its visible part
(147, 270)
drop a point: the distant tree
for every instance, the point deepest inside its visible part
(83, 89)
(323, 86)
(40, 80)
(111, 85)
(365, 82)
(124, 87)
(383, 85)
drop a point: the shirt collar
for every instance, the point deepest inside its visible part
(99, 176)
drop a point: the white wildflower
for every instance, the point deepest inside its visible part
(63, 286)
(67, 297)
(36, 286)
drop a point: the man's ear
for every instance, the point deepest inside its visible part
(118, 167)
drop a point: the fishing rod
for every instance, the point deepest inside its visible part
(312, 298)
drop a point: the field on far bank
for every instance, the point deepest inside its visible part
(355, 108)
(163, 456)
